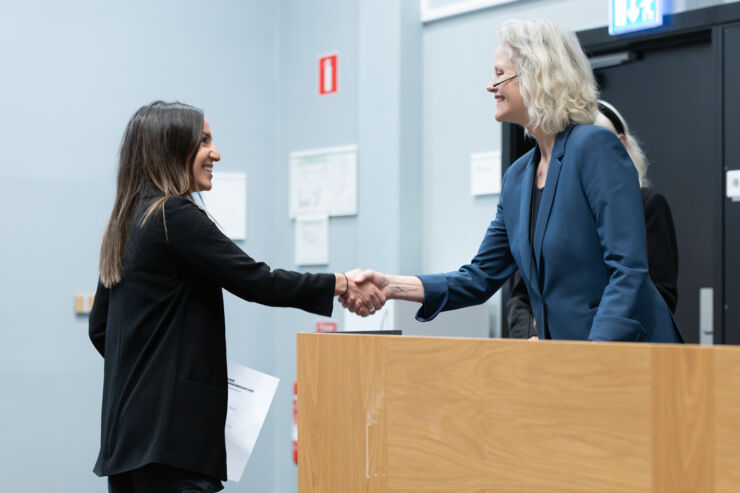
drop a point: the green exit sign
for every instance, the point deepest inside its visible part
(633, 15)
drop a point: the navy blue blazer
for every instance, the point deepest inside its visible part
(586, 268)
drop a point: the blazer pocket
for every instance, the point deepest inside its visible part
(594, 304)
(617, 329)
(205, 387)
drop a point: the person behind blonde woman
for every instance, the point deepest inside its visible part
(158, 316)
(662, 249)
(569, 215)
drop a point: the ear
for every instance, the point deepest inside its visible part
(623, 139)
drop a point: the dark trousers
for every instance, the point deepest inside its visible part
(159, 478)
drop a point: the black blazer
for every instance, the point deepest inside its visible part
(161, 332)
(662, 253)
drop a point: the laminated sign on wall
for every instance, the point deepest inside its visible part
(312, 240)
(324, 181)
(485, 173)
(227, 203)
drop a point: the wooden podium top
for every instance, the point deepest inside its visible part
(411, 414)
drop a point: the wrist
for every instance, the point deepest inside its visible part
(346, 284)
(391, 290)
(341, 284)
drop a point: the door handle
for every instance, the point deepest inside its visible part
(706, 316)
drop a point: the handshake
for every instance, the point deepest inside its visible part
(367, 291)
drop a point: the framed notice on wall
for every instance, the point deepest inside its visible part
(324, 181)
(312, 240)
(432, 10)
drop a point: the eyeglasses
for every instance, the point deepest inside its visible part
(491, 86)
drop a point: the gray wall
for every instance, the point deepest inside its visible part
(411, 97)
(379, 58)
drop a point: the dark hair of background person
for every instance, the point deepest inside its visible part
(157, 149)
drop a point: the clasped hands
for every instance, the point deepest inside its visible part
(367, 292)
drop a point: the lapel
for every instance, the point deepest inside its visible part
(548, 195)
(525, 211)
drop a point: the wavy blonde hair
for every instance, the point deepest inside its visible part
(555, 78)
(631, 144)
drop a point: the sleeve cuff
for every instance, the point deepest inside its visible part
(436, 294)
(616, 329)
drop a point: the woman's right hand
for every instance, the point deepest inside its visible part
(362, 298)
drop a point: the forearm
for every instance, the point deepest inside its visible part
(407, 288)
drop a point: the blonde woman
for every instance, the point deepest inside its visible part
(662, 248)
(569, 215)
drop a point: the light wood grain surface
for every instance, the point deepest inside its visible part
(408, 414)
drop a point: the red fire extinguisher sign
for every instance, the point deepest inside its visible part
(328, 74)
(326, 326)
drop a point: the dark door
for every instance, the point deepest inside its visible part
(732, 162)
(670, 98)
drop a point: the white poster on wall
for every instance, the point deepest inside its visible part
(485, 173)
(343, 182)
(226, 202)
(324, 181)
(312, 240)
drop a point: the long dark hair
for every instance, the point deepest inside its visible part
(157, 152)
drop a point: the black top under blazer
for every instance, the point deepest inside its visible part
(662, 255)
(161, 332)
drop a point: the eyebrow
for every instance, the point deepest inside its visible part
(207, 135)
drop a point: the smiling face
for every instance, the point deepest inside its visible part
(204, 159)
(509, 103)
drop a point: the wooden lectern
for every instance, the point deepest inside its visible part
(424, 415)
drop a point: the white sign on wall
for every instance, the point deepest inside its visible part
(485, 173)
(432, 10)
(324, 181)
(312, 240)
(227, 203)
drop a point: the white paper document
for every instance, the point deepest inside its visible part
(312, 240)
(250, 395)
(227, 203)
(485, 173)
(324, 181)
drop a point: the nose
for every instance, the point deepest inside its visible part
(490, 87)
(214, 154)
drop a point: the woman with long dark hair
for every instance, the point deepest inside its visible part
(158, 316)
